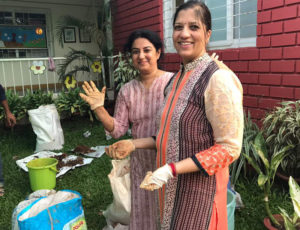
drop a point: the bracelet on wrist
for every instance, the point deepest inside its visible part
(172, 165)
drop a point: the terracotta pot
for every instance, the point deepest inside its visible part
(286, 178)
(268, 224)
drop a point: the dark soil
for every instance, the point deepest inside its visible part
(70, 163)
(83, 149)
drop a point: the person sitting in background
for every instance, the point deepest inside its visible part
(10, 121)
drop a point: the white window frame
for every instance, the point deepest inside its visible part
(48, 26)
(229, 43)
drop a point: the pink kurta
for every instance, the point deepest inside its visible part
(138, 107)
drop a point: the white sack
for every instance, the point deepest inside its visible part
(46, 125)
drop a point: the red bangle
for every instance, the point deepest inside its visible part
(172, 165)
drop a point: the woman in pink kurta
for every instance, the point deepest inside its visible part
(137, 104)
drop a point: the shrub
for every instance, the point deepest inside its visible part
(70, 104)
(125, 71)
(16, 105)
(282, 128)
(37, 98)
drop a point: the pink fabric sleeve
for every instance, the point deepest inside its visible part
(121, 115)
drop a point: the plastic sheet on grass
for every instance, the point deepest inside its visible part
(44, 154)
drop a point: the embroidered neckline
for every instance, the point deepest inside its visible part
(192, 65)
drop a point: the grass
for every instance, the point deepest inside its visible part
(92, 183)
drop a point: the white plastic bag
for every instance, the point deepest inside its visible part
(46, 125)
(119, 211)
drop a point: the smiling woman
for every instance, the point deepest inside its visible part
(190, 36)
(200, 131)
(137, 105)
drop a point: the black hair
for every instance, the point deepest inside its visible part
(201, 10)
(150, 35)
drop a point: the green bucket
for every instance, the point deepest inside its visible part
(42, 173)
(230, 209)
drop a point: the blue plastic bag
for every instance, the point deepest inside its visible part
(61, 211)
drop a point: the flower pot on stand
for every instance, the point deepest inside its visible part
(268, 223)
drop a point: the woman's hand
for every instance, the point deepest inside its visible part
(120, 149)
(158, 178)
(93, 96)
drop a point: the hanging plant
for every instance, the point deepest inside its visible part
(37, 67)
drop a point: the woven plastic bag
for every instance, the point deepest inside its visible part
(46, 125)
(118, 212)
(60, 211)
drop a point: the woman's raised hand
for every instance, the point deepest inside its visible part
(92, 95)
(120, 149)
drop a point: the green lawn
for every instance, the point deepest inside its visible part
(91, 180)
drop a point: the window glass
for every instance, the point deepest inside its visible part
(234, 23)
(23, 35)
(219, 15)
(6, 18)
(244, 20)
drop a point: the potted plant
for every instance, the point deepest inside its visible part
(292, 222)
(282, 127)
(240, 165)
(266, 171)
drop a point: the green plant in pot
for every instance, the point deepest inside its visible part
(282, 127)
(292, 222)
(266, 171)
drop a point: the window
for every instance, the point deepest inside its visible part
(233, 23)
(22, 35)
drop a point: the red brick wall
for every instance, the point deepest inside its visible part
(129, 15)
(269, 72)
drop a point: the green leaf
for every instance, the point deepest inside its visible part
(288, 225)
(277, 158)
(261, 149)
(262, 179)
(295, 195)
(253, 163)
